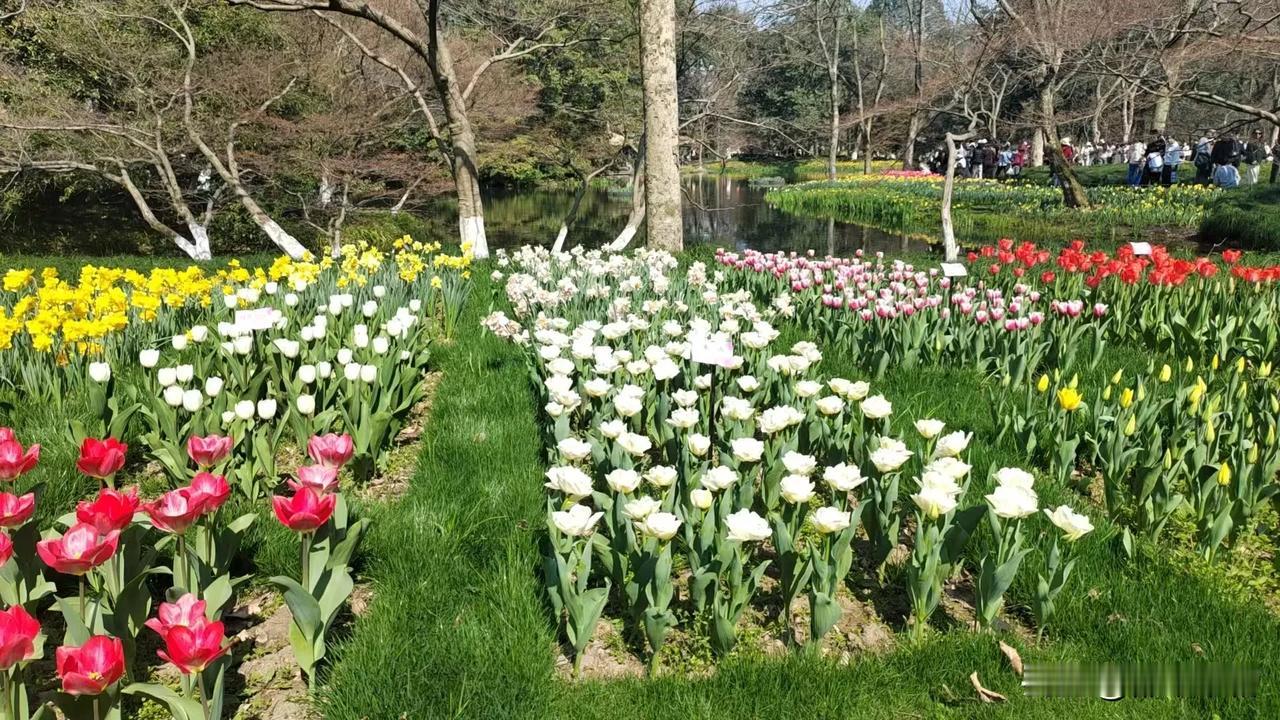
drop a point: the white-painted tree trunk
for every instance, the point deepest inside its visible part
(282, 239)
(471, 230)
(199, 245)
(558, 245)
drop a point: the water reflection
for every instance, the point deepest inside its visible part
(718, 211)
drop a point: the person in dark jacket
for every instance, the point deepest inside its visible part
(1253, 154)
(1226, 151)
(1275, 163)
(1154, 161)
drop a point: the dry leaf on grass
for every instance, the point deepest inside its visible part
(985, 695)
(1015, 660)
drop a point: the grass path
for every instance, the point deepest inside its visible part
(457, 627)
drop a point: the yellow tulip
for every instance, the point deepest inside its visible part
(1043, 383)
(1131, 426)
(1240, 365)
(1126, 397)
(1115, 379)
(1224, 475)
(1069, 399)
(1264, 370)
(1106, 393)
(1212, 363)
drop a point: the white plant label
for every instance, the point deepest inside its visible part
(714, 350)
(954, 270)
(1140, 248)
(257, 319)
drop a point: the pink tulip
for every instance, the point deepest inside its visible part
(330, 450)
(208, 451)
(15, 511)
(80, 549)
(91, 668)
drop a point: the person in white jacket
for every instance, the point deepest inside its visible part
(1136, 155)
(1172, 159)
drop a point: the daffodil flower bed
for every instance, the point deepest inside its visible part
(678, 437)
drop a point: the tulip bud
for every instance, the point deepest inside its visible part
(228, 416)
(1126, 397)
(1166, 372)
(306, 404)
(266, 409)
(184, 373)
(199, 333)
(324, 369)
(179, 342)
(1043, 383)
(244, 409)
(370, 309)
(213, 386)
(192, 400)
(1168, 460)
(1131, 426)
(381, 344)
(1106, 393)
(173, 396)
(1271, 435)
(290, 300)
(1142, 390)
(351, 371)
(369, 373)
(1224, 474)
(1075, 382)
(1240, 365)
(99, 372)
(167, 376)
(148, 358)
(1210, 434)
(344, 356)
(1253, 453)
(307, 374)
(1264, 370)
(1115, 379)
(701, 498)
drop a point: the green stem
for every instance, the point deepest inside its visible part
(84, 615)
(180, 563)
(204, 695)
(306, 558)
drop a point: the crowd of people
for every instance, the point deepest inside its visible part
(1220, 159)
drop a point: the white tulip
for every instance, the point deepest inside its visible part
(569, 481)
(718, 478)
(379, 291)
(307, 374)
(381, 344)
(932, 480)
(623, 481)
(777, 419)
(167, 376)
(244, 409)
(828, 520)
(798, 464)
(288, 348)
(746, 526)
(842, 477)
(830, 405)
(199, 333)
(952, 444)
(173, 396)
(179, 342)
(1072, 524)
(748, 383)
(889, 459)
(266, 409)
(641, 508)
(230, 301)
(934, 502)
(370, 308)
(612, 429)
(192, 400)
(573, 449)
(634, 444)
(685, 398)
(702, 382)
(148, 358)
(597, 387)
(701, 498)
(796, 489)
(1015, 477)
(577, 521)
(808, 388)
(213, 386)
(306, 405)
(627, 406)
(324, 369)
(736, 408)
(660, 525)
(929, 428)
(228, 416)
(747, 449)
(307, 334)
(699, 444)
(99, 372)
(344, 356)
(876, 407)
(665, 369)
(369, 374)
(1012, 501)
(954, 468)
(683, 418)
(243, 344)
(661, 476)
(415, 305)
(184, 373)
(351, 371)
(361, 341)
(290, 300)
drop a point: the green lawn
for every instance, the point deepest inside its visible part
(459, 628)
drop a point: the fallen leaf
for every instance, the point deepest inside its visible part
(985, 695)
(1195, 647)
(1015, 660)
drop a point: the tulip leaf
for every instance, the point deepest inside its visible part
(181, 708)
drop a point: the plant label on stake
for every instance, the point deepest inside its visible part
(1140, 248)
(714, 350)
(953, 270)
(257, 319)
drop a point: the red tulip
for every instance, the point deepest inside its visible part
(209, 491)
(1231, 257)
(80, 549)
(101, 459)
(113, 510)
(15, 511)
(18, 631)
(91, 668)
(331, 450)
(323, 480)
(208, 451)
(193, 648)
(6, 548)
(305, 511)
(175, 511)
(14, 460)
(189, 611)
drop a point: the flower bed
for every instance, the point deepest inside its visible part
(328, 363)
(679, 440)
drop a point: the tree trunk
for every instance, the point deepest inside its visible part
(1037, 148)
(1073, 194)
(662, 124)
(950, 249)
(909, 150)
(636, 217)
(833, 77)
(866, 148)
(465, 166)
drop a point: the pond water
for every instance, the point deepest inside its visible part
(718, 211)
